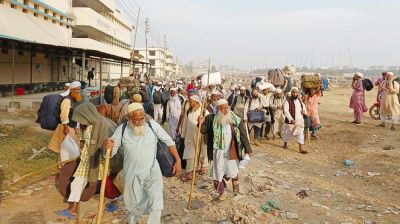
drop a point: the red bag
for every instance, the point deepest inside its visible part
(111, 191)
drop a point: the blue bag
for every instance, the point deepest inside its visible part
(49, 112)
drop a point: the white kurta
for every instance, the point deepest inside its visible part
(296, 129)
(173, 114)
(189, 133)
(143, 182)
(222, 166)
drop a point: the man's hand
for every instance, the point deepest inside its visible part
(66, 129)
(200, 120)
(108, 143)
(177, 168)
(291, 121)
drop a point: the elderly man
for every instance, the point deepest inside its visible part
(123, 114)
(239, 102)
(143, 182)
(68, 125)
(390, 101)
(294, 110)
(173, 112)
(215, 95)
(267, 92)
(189, 127)
(276, 104)
(357, 100)
(254, 103)
(228, 141)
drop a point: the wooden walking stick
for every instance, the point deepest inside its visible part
(103, 187)
(198, 143)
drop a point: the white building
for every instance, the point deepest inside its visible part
(44, 43)
(159, 60)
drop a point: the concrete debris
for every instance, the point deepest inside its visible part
(372, 174)
(291, 215)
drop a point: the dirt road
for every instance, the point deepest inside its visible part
(366, 192)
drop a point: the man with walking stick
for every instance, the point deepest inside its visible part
(143, 182)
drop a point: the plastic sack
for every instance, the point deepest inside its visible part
(69, 149)
(215, 79)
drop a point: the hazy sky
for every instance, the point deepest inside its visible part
(259, 32)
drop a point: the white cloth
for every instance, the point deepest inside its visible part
(74, 84)
(296, 129)
(65, 93)
(189, 132)
(288, 133)
(173, 107)
(221, 165)
(158, 111)
(279, 117)
(77, 187)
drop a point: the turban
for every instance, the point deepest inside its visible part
(67, 84)
(359, 74)
(221, 102)
(215, 92)
(389, 73)
(135, 106)
(74, 84)
(233, 87)
(142, 84)
(159, 83)
(278, 91)
(137, 98)
(242, 88)
(172, 89)
(196, 98)
(294, 88)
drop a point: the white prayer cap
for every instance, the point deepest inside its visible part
(359, 74)
(233, 87)
(239, 85)
(142, 84)
(215, 92)
(389, 73)
(74, 84)
(172, 89)
(159, 83)
(221, 102)
(242, 88)
(278, 91)
(135, 106)
(67, 84)
(294, 89)
(195, 98)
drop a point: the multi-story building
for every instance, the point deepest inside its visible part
(161, 62)
(45, 42)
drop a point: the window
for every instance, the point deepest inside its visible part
(152, 62)
(26, 2)
(36, 6)
(1, 1)
(46, 11)
(152, 53)
(13, 6)
(55, 16)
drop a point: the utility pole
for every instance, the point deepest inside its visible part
(147, 23)
(131, 68)
(165, 56)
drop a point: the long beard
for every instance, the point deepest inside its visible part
(224, 119)
(138, 130)
(76, 96)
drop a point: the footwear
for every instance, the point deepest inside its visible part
(256, 143)
(266, 137)
(303, 152)
(66, 213)
(218, 199)
(273, 137)
(381, 125)
(111, 207)
(392, 128)
(357, 123)
(285, 146)
(354, 122)
(235, 187)
(202, 171)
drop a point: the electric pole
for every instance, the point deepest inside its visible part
(131, 67)
(147, 30)
(165, 55)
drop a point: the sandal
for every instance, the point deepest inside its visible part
(187, 178)
(66, 213)
(235, 188)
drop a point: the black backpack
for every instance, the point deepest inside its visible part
(49, 112)
(367, 84)
(157, 97)
(109, 94)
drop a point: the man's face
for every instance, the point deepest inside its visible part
(214, 97)
(266, 91)
(76, 94)
(242, 92)
(295, 93)
(279, 95)
(254, 93)
(137, 117)
(224, 109)
(173, 93)
(192, 103)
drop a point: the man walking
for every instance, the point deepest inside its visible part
(276, 103)
(173, 112)
(143, 182)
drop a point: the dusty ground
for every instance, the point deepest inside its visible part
(367, 192)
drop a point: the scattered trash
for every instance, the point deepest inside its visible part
(388, 147)
(291, 215)
(26, 193)
(369, 208)
(348, 162)
(3, 135)
(339, 173)
(270, 206)
(314, 204)
(360, 206)
(372, 174)
(367, 221)
(302, 194)
(279, 162)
